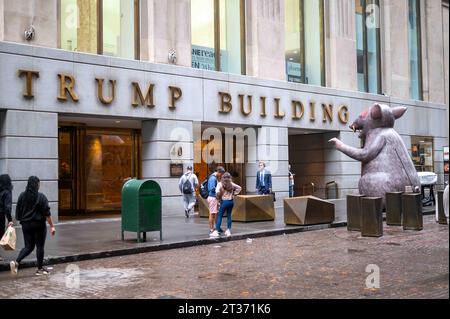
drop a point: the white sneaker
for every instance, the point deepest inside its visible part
(214, 234)
(1, 258)
(14, 267)
(42, 272)
(227, 233)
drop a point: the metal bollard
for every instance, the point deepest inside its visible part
(412, 211)
(354, 212)
(372, 217)
(394, 208)
(442, 219)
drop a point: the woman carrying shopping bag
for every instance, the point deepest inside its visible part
(33, 211)
(6, 188)
(226, 191)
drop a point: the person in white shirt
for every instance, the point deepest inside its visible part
(291, 182)
(187, 185)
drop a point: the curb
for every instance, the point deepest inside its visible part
(169, 246)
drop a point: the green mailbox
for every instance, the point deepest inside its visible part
(141, 208)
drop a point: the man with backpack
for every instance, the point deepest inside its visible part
(187, 184)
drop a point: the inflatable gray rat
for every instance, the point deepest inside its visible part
(386, 164)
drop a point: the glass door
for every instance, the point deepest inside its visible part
(109, 164)
(93, 166)
(67, 170)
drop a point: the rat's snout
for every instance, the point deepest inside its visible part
(356, 126)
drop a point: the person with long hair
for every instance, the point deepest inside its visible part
(226, 192)
(32, 212)
(6, 188)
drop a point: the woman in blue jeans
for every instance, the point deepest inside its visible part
(226, 190)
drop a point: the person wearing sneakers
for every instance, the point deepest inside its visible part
(226, 191)
(32, 212)
(213, 203)
(6, 188)
(187, 185)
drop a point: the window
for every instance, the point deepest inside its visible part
(218, 35)
(368, 46)
(422, 153)
(415, 64)
(109, 27)
(304, 38)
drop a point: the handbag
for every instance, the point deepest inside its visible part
(8, 241)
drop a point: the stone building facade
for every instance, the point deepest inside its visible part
(105, 91)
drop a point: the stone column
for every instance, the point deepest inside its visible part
(432, 51)
(161, 144)
(445, 35)
(272, 148)
(265, 44)
(18, 15)
(166, 27)
(395, 52)
(29, 146)
(341, 64)
(2, 20)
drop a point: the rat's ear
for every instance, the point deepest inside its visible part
(398, 111)
(376, 112)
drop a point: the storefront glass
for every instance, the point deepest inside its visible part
(108, 166)
(79, 25)
(118, 28)
(414, 50)
(217, 26)
(368, 45)
(422, 153)
(304, 39)
(230, 36)
(294, 53)
(113, 32)
(94, 164)
(213, 154)
(202, 26)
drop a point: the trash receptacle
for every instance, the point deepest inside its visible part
(141, 208)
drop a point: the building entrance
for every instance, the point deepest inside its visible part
(215, 151)
(94, 163)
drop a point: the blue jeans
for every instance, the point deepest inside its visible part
(225, 206)
(291, 190)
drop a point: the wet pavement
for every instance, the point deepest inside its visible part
(329, 263)
(96, 238)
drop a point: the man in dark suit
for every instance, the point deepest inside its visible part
(263, 180)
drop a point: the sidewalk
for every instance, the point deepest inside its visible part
(100, 238)
(89, 239)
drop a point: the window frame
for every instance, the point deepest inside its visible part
(366, 53)
(419, 51)
(303, 43)
(243, 42)
(423, 140)
(137, 29)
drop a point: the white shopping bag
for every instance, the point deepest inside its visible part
(8, 241)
